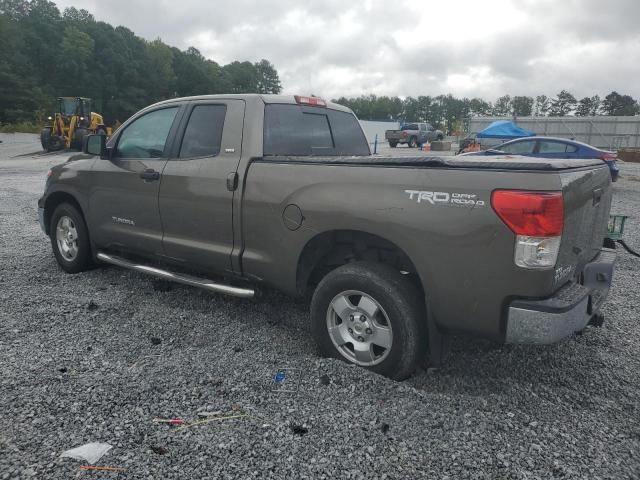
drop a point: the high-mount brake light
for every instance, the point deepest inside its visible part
(311, 101)
(537, 219)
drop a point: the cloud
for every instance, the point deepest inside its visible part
(335, 48)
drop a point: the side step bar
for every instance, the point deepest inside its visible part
(178, 277)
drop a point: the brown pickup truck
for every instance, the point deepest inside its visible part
(228, 193)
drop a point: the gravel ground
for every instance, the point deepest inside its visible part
(97, 356)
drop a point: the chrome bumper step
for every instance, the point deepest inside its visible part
(177, 277)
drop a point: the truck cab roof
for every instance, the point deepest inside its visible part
(251, 97)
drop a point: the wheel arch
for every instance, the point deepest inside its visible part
(331, 249)
(51, 203)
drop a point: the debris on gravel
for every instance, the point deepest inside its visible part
(71, 374)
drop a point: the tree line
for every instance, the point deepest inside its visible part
(448, 112)
(46, 54)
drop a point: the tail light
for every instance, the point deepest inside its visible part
(312, 101)
(405, 134)
(609, 157)
(537, 219)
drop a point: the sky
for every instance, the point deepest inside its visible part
(334, 48)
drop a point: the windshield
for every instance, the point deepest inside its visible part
(69, 106)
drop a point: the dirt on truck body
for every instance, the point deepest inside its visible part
(231, 192)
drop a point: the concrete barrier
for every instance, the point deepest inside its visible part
(440, 146)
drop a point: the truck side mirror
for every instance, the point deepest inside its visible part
(95, 145)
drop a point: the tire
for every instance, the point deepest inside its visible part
(392, 341)
(440, 138)
(78, 138)
(413, 143)
(393, 144)
(74, 256)
(45, 136)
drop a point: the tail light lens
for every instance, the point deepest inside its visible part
(405, 134)
(609, 157)
(537, 219)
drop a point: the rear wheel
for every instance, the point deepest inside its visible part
(440, 137)
(393, 144)
(413, 142)
(370, 315)
(70, 239)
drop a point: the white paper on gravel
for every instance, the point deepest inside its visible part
(91, 452)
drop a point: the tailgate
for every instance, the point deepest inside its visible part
(393, 134)
(587, 201)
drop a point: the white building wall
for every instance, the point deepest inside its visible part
(372, 128)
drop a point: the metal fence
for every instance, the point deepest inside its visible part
(602, 132)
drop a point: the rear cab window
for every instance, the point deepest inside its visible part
(298, 130)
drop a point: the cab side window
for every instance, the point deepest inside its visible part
(203, 135)
(146, 137)
(552, 147)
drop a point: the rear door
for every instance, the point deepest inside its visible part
(423, 134)
(123, 198)
(198, 184)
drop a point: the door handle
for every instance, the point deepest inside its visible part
(150, 175)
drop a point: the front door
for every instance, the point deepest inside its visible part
(198, 184)
(123, 197)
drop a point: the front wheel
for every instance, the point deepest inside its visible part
(78, 138)
(45, 137)
(70, 239)
(393, 144)
(371, 315)
(440, 137)
(413, 142)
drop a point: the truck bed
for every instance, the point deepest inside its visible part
(461, 249)
(506, 162)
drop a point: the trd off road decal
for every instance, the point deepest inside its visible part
(445, 198)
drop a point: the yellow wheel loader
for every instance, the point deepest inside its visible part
(73, 121)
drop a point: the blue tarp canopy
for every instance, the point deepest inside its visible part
(504, 129)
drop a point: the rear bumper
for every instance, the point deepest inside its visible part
(567, 311)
